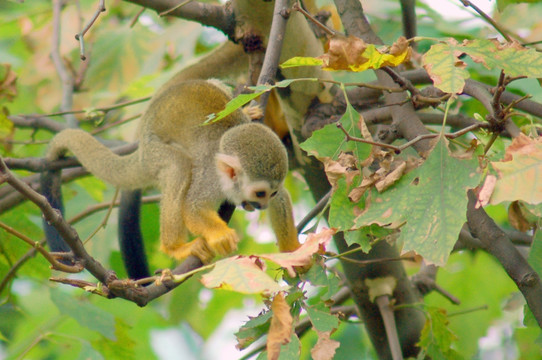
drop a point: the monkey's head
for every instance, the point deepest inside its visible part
(252, 164)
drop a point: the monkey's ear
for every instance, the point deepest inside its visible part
(228, 166)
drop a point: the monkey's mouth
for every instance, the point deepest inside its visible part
(251, 205)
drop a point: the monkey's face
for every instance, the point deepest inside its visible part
(257, 194)
(239, 188)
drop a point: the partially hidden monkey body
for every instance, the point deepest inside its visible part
(197, 167)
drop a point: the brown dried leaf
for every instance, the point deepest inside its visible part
(325, 347)
(315, 243)
(343, 52)
(391, 177)
(280, 330)
(518, 218)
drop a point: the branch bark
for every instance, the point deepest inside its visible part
(497, 243)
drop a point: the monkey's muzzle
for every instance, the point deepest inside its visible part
(251, 205)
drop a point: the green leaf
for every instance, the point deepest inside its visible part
(121, 54)
(291, 350)
(321, 318)
(122, 348)
(431, 199)
(287, 352)
(6, 126)
(85, 313)
(318, 276)
(341, 208)
(253, 329)
(234, 104)
(330, 141)
(436, 338)
(88, 352)
(366, 236)
(513, 58)
(448, 71)
(445, 68)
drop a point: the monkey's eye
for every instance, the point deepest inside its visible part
(260, 194)
(274, 193)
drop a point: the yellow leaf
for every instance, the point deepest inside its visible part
(241, 274)
(352, 53)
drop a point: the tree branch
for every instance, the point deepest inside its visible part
(217, 16)
(499, 245)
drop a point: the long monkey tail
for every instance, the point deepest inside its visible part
(125, 172)
(97, 159)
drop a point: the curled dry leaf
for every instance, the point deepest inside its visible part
(345, 166)
(280, 330)
(302, 257)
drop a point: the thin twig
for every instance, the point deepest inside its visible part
(75, 219)
(104, 109)
(398, 149)
(317, 209)
(136, 17)
(77, 268)
(487, 18)
(80, 35)
(103, 224)
(326, 29)
(366, 85)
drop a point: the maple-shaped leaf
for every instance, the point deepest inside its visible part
(448, 72)
(431, 200)
(330, 141)
(353, 54)
(520, 172)
(281, 327)
(315, 243)
(241, 274)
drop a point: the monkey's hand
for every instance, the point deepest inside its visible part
(198, 247)
(223, 242)
(254, 112)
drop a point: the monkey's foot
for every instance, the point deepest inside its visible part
(223, 242)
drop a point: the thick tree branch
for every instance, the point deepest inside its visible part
(497, 243)
(217, 16)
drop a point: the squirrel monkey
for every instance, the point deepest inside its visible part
(197, 167)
